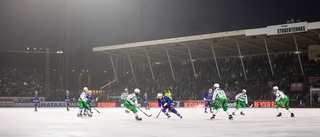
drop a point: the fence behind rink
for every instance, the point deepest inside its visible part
(112, 104)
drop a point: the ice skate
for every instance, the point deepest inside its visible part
(138, 118)
(242, 113)
(230, 117)
(292, 115)
(279, 115)
(168, 116)
(79, 115)
(211, 111)
(205, 111)
(233, 113)
(127, 111)
(213, 116)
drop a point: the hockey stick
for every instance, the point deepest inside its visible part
(96, 109)
(144, 112)
(159, 113)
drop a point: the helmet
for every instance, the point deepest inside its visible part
(159, 95)
(275, 88)
(67, 91)
(244, 90)
(210, 89)
(125, 89)
(137, 91)
(85, 88)
(216, 85)
(36, 92)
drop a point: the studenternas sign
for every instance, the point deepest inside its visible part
(287, 28)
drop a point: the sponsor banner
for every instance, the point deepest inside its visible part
(75, 104)
(287, 28)
(263, 104)
(107, 104)
(23, 99)
(61, 104)
(6, 103)
(154, 104)
(122, 105)
(202, 104)
(23, 104)
(296, 87)
(114, 97)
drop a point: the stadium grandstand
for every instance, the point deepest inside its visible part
(285, 55)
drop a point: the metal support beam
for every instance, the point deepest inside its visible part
(194, 71)
(295, 42)
(125, 57)
(150, 64)
(114, 69)
(170, 65)
(244, 71)
(134, 77)
(215, 60)
(265, 43)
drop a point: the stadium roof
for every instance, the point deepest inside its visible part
(277, 38)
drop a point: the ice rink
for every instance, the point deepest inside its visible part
(114, 122)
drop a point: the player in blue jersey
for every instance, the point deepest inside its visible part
(207, 97)
(145, 101)
(166, 103)
(35, 100)
(67, 99)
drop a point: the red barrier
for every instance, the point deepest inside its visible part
(263, 104)
(107, 104)
(193, 104)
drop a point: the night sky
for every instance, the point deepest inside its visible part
(76, 26)
(43, 23)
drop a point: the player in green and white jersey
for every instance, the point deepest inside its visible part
(220, 97)
(242, 101)
(132, 103)
(281, 99)
(123, 97)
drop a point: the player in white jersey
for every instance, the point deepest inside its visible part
(281, 99)
(131, 103)
(242, 101)
(123, 97)
(220, 97)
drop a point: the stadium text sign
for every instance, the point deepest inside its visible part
(287, 28)
(264, 104)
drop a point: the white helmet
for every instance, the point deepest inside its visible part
(137, 91)
(216, 85)
(85, 88)
(244, 90)
(275, 88)
(36, 92)
(159, 95)
(67, 91)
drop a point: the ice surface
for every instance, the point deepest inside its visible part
(114, 122)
